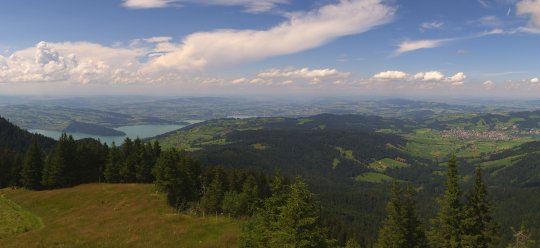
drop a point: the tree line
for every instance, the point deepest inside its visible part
(460, 221)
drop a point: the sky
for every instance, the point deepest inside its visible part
(281, 47)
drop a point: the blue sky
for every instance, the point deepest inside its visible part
(395, 47)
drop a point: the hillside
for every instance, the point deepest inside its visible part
(16, 139)
(105, 215)
(81, 127)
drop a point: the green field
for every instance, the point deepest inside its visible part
(373, 177)
(105, 215)
(387, 163)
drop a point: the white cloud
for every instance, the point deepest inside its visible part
(530, 8)
(421, 77)
(457, 79)
(303, 73)
(409, 46)
(431, 25)
(241, 80)
(253, 6)
(302, 31)
(78, 62)
(488, 84)
(390, 75)
(535, 81)
(147, 4)
(429, 76)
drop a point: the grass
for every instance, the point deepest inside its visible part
(387, 163)
(260, 146)
(508, 161)
(335, 163)
(14, 219)
(373, 177)
(123, 215)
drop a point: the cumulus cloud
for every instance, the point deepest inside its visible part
(305, 73)
(390, 75)
(488, 84)
(291, 75)
(535, 81)
(302, 31)
(79, 62)
(530, 8)
(429, 77)
(254, 6)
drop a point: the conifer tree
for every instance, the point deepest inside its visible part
(392, 232)
(447, 226)
(32, 167)
(212, 198)
(60, 171)
(127, 167)
(414, 234)
(289, 218)
(112, 167)
(480, 229)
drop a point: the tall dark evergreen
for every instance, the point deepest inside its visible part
(392, 232)
(479, 226)
(61, 170)
(111, 172)
(32, 167)
(130, 159)
(401, 228)
(175, 175)
(289, 218)
(447, 230)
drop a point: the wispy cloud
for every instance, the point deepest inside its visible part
(253, 6)
(409, 46)
(300, 32)
(431, 25)
(148, 4)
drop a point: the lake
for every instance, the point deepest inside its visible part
(141, 131)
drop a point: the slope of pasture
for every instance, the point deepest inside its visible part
(105, 215)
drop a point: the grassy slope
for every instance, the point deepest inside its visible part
(104, 215)
(14, 219)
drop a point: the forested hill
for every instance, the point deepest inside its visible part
(517, 166)
(16, 139)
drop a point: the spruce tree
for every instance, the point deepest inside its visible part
(112, 166)
(32, 167)
(447, 225)
(414, 234)
(299, 222)
(392, 232)
(60, 171)
(289, 218)
(479, 227)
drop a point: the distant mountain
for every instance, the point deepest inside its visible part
(80, 127)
